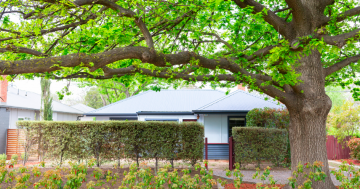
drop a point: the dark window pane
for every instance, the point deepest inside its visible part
(235, 122)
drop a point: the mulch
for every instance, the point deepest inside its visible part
(26, 164)
(355, 162)
(248, 186)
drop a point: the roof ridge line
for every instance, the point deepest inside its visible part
(217, 100)
(231, 94)
(259, 97)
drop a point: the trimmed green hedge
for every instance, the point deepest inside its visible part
(112, 140)
(268, 117)
(255, 144)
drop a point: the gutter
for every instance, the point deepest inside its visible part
(24, 108)
(220, 111)
(165, 113)
(110, 114)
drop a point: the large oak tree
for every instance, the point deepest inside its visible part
(287, 49)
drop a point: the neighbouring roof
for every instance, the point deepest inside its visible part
(28, 100)
(239, 100)
(83, 108)
(163, 101)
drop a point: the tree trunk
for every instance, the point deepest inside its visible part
(308, 114)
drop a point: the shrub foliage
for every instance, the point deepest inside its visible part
(111, 140)
(268, 118)
(354, 145)
(255, 144)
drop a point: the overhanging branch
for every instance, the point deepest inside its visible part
(278, 23)
(340, 40)
(338, 66)
(342, 16)
(15, 49)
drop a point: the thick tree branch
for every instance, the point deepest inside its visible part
(278, 23)
(342, 16)
(260, 53)
(338, 66)
(15, 49)
(340, 40)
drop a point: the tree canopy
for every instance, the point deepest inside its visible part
(288, 49)
(230, 41)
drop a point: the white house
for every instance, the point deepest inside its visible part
(215, 110)
(16, 104)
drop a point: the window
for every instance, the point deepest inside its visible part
(155, 119)
(235, 122)
(189, 120)
(23, 118)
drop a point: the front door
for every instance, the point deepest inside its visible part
(235, 121)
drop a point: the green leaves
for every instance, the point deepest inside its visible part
(109, 140)
(255, 144)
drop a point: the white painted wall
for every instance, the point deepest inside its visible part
(216, 127)
(15, 114)
(55, 116)
(66, 117)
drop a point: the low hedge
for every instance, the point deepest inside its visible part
(268, 117)
(114, 140)
(255, 144)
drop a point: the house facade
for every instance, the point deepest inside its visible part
(16, 104)
(215, 110)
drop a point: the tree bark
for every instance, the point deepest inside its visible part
(308, 114)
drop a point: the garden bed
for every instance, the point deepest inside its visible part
(355, 162)
(90, 177)
(249, 186)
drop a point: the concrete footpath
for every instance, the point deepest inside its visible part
(281, 176)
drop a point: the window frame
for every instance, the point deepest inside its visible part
(228, 122)
(160, 119)
(23, 119)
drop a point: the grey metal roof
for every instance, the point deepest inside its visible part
(239, 100)
(28, 100)
(83, 108)
(165, 101)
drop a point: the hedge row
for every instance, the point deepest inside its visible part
(114, 140)
(255, 144)
(268, 118)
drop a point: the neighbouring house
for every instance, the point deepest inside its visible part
(16, 104)
(215, 110)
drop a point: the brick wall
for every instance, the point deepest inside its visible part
(4, 125)
(241, 87)
(3, 89)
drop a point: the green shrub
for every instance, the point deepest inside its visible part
(271, 118)
(254, 144)
(354, 145)
(268, 118)
(3, 156)
(109, 140)
(15, 157)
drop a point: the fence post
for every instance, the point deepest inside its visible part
(206, 152)
(231, 163)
